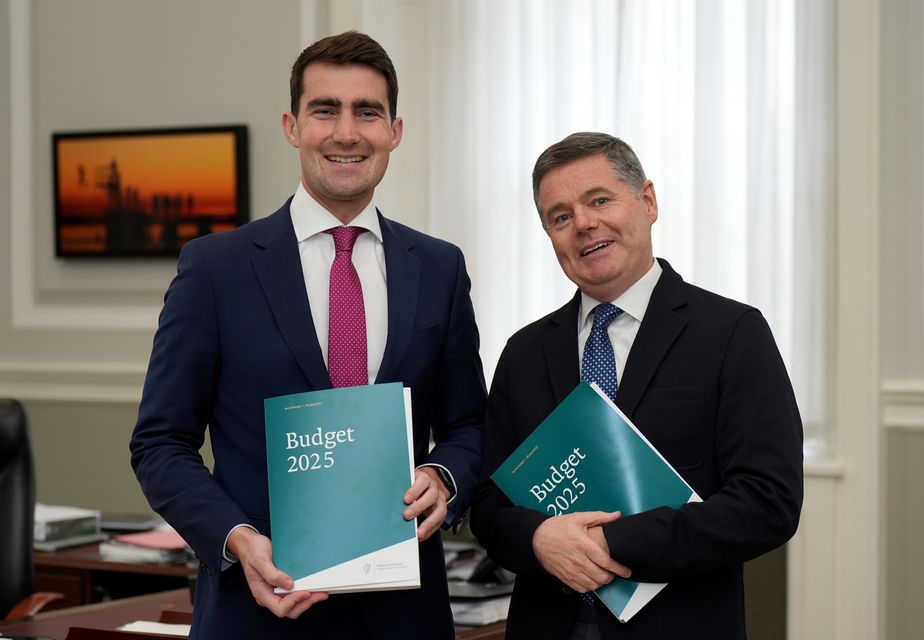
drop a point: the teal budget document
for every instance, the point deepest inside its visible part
(339, 462)
(588, 456)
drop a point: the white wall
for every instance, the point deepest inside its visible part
(75, 334)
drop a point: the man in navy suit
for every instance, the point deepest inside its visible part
(698, 374)
(246, 318)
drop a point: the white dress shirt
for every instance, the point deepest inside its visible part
(316, 250)
(622, 331)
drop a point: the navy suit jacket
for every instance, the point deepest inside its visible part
(236, 328)
(705, 383)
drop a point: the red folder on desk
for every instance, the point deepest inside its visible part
(168, 540)
(145, 546)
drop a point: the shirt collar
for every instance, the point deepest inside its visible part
(310, 218)
(634, 301)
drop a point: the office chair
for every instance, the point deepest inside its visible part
(17, 509)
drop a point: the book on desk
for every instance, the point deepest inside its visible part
(58, 526)
(163, 545)
(479, 588)
(129, 522)
(58, 522)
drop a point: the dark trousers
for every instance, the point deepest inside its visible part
(585, 624)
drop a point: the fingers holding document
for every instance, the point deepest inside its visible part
(571, 547)
(428, 496)
(255, 553)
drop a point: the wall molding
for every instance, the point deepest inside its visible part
(90, 382)
(823, 468)
(903, 404)
(27, 312)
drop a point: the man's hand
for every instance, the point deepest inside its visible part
(428, 496)
(572, 548)
(256, 557)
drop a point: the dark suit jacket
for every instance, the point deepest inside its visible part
(236, 328)
(705, 383)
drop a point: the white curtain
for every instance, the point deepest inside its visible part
(725, 102)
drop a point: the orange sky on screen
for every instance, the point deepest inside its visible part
(197, 164)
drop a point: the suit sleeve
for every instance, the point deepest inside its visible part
(458, 409)
(504, 530)
(176, 407)
(758, 450)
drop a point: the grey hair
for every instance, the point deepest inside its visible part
(622, 159)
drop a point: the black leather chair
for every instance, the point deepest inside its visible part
(17, 509)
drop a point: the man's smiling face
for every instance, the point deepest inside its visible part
(344, 135)
(600, 229)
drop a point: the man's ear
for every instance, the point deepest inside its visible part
(397, 132)
(290, 128)
(650, 198)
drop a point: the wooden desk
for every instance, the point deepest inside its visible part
(85, 577)
(109, 615)
(103, 615)
(494, 631)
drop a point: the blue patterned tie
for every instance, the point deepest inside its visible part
(599, 365)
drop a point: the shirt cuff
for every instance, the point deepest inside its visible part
(447, 479)
(225, 553)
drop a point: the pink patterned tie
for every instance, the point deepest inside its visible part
(347, 362)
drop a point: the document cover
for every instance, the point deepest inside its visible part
(339, 462)
(587, 456)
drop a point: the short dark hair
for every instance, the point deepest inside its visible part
(350, 47)
(577, 146)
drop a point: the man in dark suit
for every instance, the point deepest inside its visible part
(247, 318)
(699, 375)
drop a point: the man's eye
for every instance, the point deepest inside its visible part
(561, 220)
(599, 202)
(368, 114)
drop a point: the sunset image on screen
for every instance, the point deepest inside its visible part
(144, 193)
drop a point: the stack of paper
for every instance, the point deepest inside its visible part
(479, 612)
(124, 522)
(56, 527)
(162, 545)
(160, 628)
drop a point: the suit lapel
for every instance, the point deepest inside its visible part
(402, 269)
(561, 350)
(279, 270)
(658, 331)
